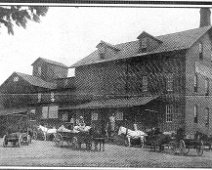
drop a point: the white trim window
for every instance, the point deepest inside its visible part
(169, 83)
(39, 97)
(119, 116)
(94, 116)
(145, 83)
(169, 112)
(52, 97)
(195, 114)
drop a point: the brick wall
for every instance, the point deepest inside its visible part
(198, 98)
(120, 78)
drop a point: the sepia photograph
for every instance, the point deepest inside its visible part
(105, 85)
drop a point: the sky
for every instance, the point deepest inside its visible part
(68, 34)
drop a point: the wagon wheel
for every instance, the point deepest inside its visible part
(4, 141)
(200, 149)
(58, 139)
(172, 147)
(182, 147)
(34, 135)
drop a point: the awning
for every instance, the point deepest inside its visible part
(113, 103)
(13, 111)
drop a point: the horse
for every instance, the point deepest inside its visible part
(130, 134)
(157, 138)
(46, 131)
(83, 137)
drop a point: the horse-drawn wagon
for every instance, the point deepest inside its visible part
(183, 146)
(73, 137)
(16, 139)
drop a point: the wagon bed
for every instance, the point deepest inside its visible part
(16, 139)
(68, 137)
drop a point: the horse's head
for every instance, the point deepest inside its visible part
(120, 130)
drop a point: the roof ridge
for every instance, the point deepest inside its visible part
(166, 34)
(183, 31)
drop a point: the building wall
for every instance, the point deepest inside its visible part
(124, 78)
(49, 71)
(198, 98)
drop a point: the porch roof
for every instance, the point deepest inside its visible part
(114, 103)
(13, 111)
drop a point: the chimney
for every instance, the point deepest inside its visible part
(205, 17)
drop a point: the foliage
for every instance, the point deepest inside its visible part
(20, 15)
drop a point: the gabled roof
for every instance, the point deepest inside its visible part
(170, 42)
(36, 81)
(145, 34)
(107, 44)
(50, 62)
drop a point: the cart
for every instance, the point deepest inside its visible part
(16, 139)
(69, 137)
(183, 146)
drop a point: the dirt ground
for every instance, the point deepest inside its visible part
(45, 153)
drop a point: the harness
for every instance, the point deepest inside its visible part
(126, 132)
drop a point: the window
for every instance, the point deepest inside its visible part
(66, 82)
(52, 97)
(15, 79)
(39, 71)
(102, 50)
(119, 116)
(144, 45)
(145, 83)
(195, 83)
(45, 112)
(207, 117)
(65, 117)
(195, 114)
(206, 86)
(200, 51)
(39, 97)
(144, 42)
(53, 112)
(94, 116)
(169, 113)
(169, 85)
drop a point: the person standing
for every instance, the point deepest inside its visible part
(112, 122)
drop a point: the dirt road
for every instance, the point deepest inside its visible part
(45, 153)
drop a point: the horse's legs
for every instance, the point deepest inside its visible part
(129, 142)
(141, 142)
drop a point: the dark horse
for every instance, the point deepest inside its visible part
(92, 136)
(156, 139)
(207, 140)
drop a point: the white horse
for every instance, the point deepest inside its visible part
(47, 131)
(130, 134)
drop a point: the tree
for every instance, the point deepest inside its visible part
(19, 15)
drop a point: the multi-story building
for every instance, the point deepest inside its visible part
(39, 95)
(155, 81)
(159, 81)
